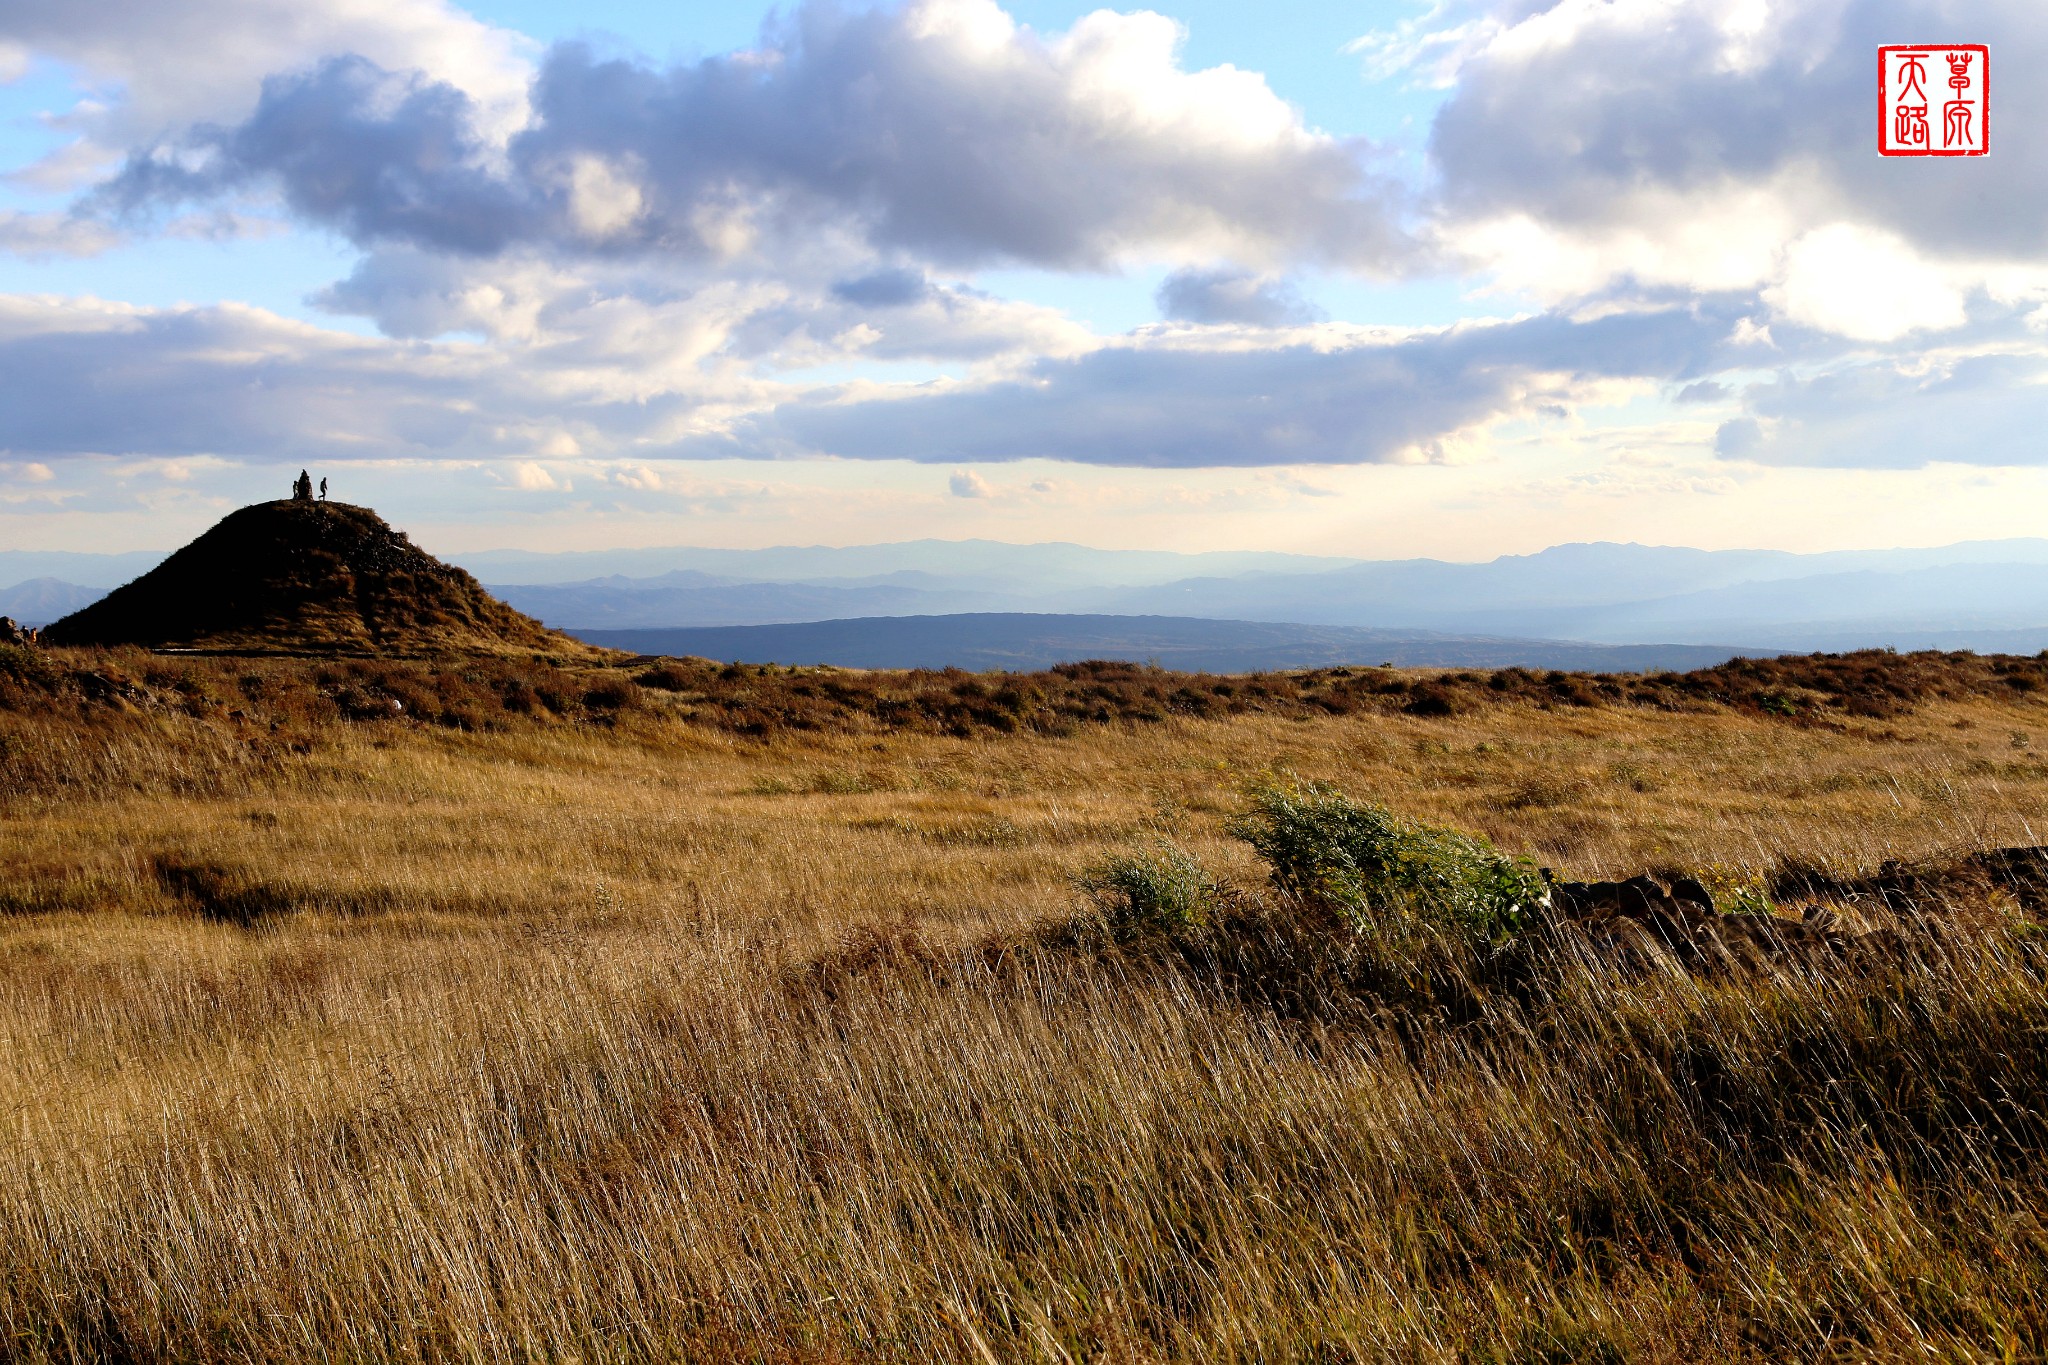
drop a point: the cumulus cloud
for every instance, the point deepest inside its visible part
(235, 382)
(1230, 295)
(54, 234)
(352, 146)
(78, 378)
(1354, 401)
(1984, 409)
(653, 328)
(939, 128)
(1866, 285)
(581, 258)
(1718, 146)
(205, 60)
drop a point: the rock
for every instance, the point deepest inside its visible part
(1680, 923)
(1690, 891)
(1913, 890)
(12, 633)
(1643, 923)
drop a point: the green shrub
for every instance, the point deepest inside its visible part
(1160, 891)
(1371, 867)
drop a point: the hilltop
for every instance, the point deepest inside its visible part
(299, 577)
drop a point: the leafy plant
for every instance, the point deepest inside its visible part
(1160, 891)
(1369, 865)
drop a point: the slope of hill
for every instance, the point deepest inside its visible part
(1019, 640)
(307, 577)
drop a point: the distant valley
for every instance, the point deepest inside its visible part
(1986, 596)
(1022, 642)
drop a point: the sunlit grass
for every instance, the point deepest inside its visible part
(649, 1039)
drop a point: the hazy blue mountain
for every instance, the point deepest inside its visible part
(1953, 596)
(690, 599)
(1609, 592)
(1602, 593)
(983, 563)
(80, 567)
(1037, 640)
(43, 600)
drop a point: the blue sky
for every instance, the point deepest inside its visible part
(1461, 278)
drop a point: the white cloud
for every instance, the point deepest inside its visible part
(1863, 284)
(1708, 145)
(771, 254)
(1987, 409)
(54, 234)
(604, 196)
(200, 60)
(1431, 47)
(1189, 400)
(940, 129)
(535, 478)
(635, 331)
(80, 376)
(83, 377)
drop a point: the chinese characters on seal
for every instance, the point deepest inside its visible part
(1934, 100)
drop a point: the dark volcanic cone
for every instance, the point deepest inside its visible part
(308, 578)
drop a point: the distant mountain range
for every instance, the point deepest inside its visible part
(1979, 595)
(40, 601)
(1025, 641)
(972, 563)
(686, 597)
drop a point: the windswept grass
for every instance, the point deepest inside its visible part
(614, 1030)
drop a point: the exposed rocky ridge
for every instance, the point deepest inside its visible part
(299, 577)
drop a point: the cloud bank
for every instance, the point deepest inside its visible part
(784, 252)
(940, 129)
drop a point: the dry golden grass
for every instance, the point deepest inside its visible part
(648, 1040)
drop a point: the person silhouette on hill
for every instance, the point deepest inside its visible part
(323, 490)
(302, 487)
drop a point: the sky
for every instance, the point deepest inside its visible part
(1456, 278)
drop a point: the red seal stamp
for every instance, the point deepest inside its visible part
(1934, 100)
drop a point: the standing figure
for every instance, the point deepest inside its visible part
(323, 490)
(302, 487)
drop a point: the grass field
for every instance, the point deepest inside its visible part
(642, 1014)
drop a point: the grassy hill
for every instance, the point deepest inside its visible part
(320, 578)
